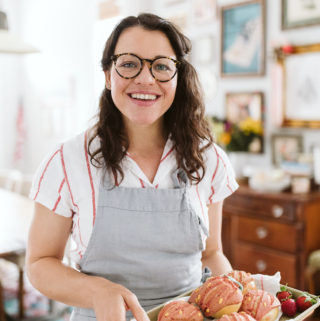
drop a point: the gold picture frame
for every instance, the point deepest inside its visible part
(300, 68)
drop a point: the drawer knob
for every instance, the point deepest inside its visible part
(261, 232)
(261, 265)
(277, 211)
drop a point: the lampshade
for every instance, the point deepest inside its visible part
(10, 43)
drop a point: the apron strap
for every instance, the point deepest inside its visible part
(180, 178)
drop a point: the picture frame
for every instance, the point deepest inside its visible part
(285, 148)
(243, 39)
(300, 76)
(204, 11)
(243, 105)
(204, 50)
(245, 121)
(299, 13)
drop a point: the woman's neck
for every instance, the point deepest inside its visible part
(145, 139)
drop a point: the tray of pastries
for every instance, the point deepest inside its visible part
(237, 296)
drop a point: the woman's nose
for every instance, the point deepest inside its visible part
(145, 76)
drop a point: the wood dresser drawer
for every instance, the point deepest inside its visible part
(251, 205)
(257, 260)
(278, 236)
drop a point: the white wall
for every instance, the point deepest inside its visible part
(10, 88)
(58, 85)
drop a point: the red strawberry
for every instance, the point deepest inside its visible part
(289, 307)
(284, 294)
(304, 302)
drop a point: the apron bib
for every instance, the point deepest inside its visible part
(148, 240)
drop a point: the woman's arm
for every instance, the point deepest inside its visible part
(213, 256)
(48, 235)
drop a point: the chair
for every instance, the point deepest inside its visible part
(313, 272)
(9, 177)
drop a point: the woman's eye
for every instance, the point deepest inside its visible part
(162, 67)
(129, 65)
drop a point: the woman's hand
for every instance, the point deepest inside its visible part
(111, 301)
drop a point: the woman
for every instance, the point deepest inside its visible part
(138, 192)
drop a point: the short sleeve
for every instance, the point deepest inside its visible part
(49, 186)
(222, 181)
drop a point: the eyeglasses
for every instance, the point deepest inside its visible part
(129, 66)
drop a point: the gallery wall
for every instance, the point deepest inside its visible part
(59, 89)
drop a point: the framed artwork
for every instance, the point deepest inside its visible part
(300, 13)
(243, 39)
(285, 148)
(203, 49)
(244, 121)
(204, 11)
(300, 67)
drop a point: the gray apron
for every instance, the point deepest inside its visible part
(149, 240)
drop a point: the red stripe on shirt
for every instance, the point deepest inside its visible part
(59, 198)
(93, 197)
(44, 171)
(157, 186)
(169, 152)
(216, 169)
(141, 182)
(225, 167)
(68, 184)
(215, 172)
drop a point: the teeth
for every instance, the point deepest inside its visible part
(144, 96)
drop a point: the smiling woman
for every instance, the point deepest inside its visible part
(139, 191)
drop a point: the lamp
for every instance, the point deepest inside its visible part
(9, 43)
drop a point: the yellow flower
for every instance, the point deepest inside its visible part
(225, 138)
(250, 125)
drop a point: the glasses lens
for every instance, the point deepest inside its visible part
(163, 69)
(128, 65)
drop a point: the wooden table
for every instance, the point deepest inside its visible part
(16, 213)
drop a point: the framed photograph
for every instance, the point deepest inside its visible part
(300, 67)
(243, 39)
(285, 148)
(300, 13)
(244, 121)
(243, 106)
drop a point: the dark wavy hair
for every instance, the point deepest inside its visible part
(184, 120)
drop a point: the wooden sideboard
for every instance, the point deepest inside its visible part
(270, 232)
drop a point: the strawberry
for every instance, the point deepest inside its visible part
(284, 294)
(289, 307)
(304, 302)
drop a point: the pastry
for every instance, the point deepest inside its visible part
(237, 316)
(262, 305)
(219, 295)
(180, 311)
(244, 278)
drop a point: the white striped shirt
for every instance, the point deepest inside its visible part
(68, 184)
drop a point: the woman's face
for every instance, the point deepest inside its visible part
(142, 100)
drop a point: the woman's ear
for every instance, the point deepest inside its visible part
(108, 80)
